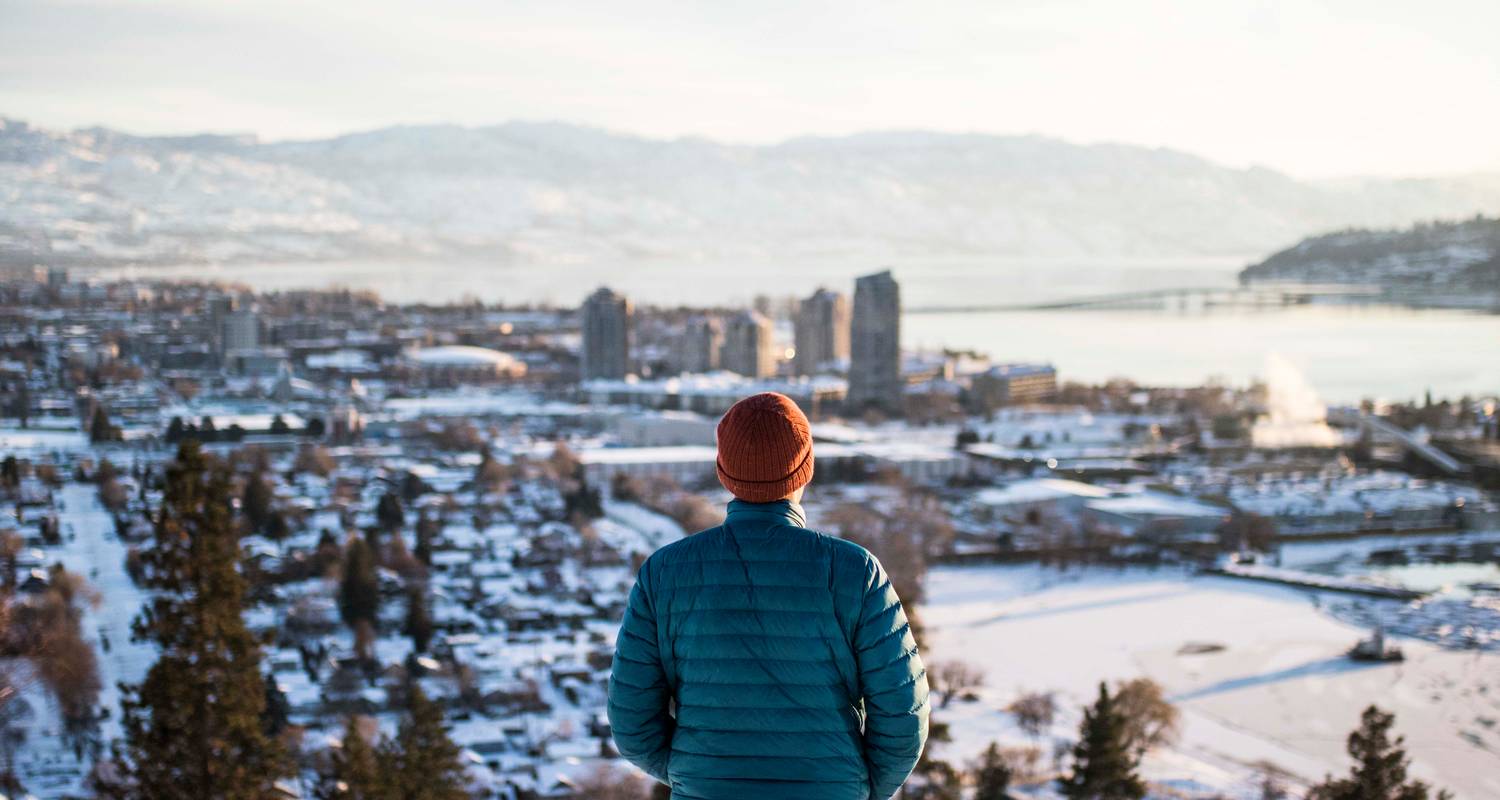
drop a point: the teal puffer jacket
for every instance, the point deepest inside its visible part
(762, 660)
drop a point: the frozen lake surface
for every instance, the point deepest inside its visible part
(1347, 352)
(1279, 691)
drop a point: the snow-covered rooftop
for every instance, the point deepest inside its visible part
(1037, 490)
(460, 356)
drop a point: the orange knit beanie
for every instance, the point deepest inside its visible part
(765, 448)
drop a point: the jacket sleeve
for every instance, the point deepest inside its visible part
(638, 691)
(894, 684)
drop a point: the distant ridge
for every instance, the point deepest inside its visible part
(554, 193)
(1437, 257)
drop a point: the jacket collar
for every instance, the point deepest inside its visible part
(781, 511)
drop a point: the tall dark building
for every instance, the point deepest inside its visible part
(239, 330)
(821, 331)
(749, 348)
(606, 335)
(875, 344)
(701, 342)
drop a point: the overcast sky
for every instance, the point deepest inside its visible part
(1388, 87)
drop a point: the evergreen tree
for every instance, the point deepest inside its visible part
(278, 709)
(23, 401)
(428, 528)
(418, 620)
(175, 430)
(277, 527)
(583, 500)
(1103, 762)
(1379, 771)
(992, 776)
(100, 428)
(413, 487)
(359, 592)
(389, 514)
(256, 502)
(356, 770)
(193, 727)
(279, 426)
(424, 763)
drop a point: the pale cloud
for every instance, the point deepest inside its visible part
(1312, 88)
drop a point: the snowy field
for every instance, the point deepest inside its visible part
(1279, 691)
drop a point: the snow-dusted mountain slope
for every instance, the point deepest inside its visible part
(1442, 257)
(550, 193)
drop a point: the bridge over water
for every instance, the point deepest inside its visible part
(1407, 440)
(1178, 299)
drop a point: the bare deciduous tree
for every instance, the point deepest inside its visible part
(1150, 721)
(1035, 712)
(953, 678)
(605, 783)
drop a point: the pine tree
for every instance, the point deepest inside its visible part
(256, 502)
(359, 592)
(277, 528)
(1380, 764)
(193, 728)
(424, 761)
(418, 620)
(356, 770)
(428, 528)
(992, 776)
(277, 714)
(1103, 763)
(389, 513)
(100, 428)
(413, 487)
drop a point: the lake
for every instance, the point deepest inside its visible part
(1347, 352)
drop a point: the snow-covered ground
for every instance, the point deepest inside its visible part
(90, 549)
(41, 440)
(1279, 691)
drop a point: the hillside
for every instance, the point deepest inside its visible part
(1451, 257)
(554, 193)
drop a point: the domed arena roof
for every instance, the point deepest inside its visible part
(461, 356)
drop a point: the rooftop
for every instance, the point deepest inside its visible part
(460, 356)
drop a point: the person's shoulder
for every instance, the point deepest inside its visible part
(684, 547)
(842, 550)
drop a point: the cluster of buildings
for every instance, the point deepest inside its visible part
(850, 352)
(521, 591)
(526, 548)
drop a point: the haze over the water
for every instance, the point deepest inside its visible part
(1370, 87)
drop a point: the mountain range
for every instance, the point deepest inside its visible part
(550, 193)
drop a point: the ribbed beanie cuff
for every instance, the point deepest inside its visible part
(765, 448)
